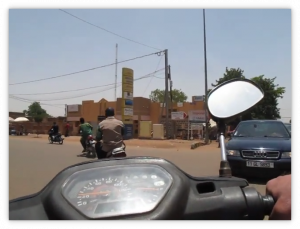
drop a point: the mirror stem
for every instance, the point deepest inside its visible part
(225, 170)
(222, 146)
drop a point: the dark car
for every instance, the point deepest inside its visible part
(260, 148)
(12, 132)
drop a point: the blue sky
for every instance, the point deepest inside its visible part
(47, 43)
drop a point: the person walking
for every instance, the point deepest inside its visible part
(67, 129)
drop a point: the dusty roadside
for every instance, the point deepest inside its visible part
(144, 143)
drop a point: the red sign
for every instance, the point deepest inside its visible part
(179, 115)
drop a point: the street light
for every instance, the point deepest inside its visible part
(205, 76)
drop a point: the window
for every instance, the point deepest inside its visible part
(261, 129)
(289, 127)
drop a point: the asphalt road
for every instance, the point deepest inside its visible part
(33, 163)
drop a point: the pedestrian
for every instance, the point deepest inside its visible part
(67, 127)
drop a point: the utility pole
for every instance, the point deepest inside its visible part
(171, 101)
(66, 112)
(116, 72)
(205, 71)
(171, 86)
(167, 92)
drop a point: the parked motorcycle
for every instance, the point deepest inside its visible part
(146, 188)
(55, 138)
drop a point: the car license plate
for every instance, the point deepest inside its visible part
(260, 164)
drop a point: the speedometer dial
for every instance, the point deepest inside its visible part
(100, 190)
(120, 190)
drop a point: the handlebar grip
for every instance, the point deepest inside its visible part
(268, 203)
(258, 206)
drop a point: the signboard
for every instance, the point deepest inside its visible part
(180, 115)
(196, 126)
(128, 131)
(198, 98)
(128, 112)
(127, 101)
(128, 95)
(197, 116)
(179, 104)
(73, 108)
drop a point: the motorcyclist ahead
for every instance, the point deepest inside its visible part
(85, 129)
(54, 130)
(110, 131)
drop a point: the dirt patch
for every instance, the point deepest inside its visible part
(158, 143)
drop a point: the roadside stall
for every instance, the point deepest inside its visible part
(20, 128)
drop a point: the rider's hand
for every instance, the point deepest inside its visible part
(280, 189)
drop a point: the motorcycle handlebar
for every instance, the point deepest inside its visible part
(258, 205)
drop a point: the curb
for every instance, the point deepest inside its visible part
(197, 144)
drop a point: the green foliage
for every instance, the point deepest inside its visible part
(230, 74)
(36, 112)
(267, 107)
(158, 95)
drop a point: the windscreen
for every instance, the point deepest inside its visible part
(289, 127)
(261, 129)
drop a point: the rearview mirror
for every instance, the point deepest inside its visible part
(233, 98)
(228, 101)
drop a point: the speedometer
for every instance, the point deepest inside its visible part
(100, 190)
(117, 190)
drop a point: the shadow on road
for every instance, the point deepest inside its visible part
(87, 156)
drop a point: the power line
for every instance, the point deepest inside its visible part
(128, 39)
(153, 75)
(82, 89)
(72, 97)
(28, 101)
(91, 69)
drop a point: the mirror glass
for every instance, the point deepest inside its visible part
(233, 98)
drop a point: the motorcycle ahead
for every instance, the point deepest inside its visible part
(90, 147)
(117, 152)
(147, 188)
(55, 138)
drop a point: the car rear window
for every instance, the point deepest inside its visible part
(261, 129)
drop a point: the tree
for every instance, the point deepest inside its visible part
(158, 95)
(36, 112)
(230, 74)
(267, 107)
